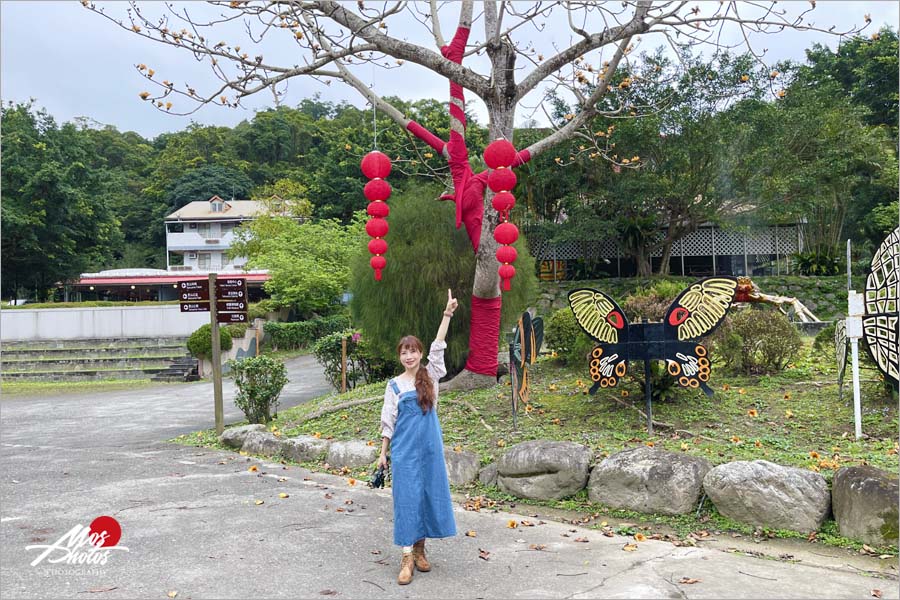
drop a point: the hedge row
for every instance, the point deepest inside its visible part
(290, 336)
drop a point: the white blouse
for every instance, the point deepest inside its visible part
(436, 369)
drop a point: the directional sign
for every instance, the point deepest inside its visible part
(195, 307)
(231, 294)
(192, 291)
(234, 317)
(231, 284)
(231, 306)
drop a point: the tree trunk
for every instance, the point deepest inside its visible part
(666, 257)
(484, 337)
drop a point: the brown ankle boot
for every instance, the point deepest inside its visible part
(406, 569)
(418, 553)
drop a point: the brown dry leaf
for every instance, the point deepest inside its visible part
(689, 580)
(511, 524)
(329, 495)
(471, 533)
(328, 593)
(282, 479)
(258, 502)
(283, 495)
(527, 524)
(483, 554)
(172, 594)
(253, 468)
(609, 534)
(876, 593)
(629, 547)
(538, 546)
(582, 539)
(376, 552)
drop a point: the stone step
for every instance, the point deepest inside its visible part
(163, 352)
(86, 375)
(85, 364)
(88, 344)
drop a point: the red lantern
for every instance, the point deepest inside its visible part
(505, 254)
(503, 202)
(378, 209)
(377, 227)
(377, 189)
(377, 263)
(499, 153)
(506, 272)
(501, 180)
(376, 165)
(506, 233)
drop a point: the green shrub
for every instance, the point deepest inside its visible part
(260, 310)
(259, 381)
(237, 330)
(200, 342)
(302, 334)
(651, 303)
(427, 255)
(365, 363)
(755, 341)
(565, 337)
(824, 341)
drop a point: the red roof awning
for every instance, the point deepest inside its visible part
(166, 279)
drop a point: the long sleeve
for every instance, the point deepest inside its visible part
(389, 412)
(436, 367)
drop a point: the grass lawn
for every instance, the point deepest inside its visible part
(793, 418)
(31, 388)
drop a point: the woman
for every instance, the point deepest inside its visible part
(409, 425)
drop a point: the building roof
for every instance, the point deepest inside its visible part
(202, 210)
(163, 277)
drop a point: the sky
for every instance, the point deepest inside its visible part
(74, 63)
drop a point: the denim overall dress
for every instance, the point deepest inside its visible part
(421, 490)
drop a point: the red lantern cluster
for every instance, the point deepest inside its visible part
(499, 156)
(376, 166)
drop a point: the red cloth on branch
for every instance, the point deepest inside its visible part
(484, 335)
(426, 136)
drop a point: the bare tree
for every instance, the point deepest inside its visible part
(334, 38)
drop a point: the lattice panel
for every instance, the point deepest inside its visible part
(787, 240)
(760, 241)
(698, 243)
(729, 242)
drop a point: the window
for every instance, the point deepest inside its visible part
(217, 205)
(226, 228)
(203, 261)
(203, 230)
(176, 227)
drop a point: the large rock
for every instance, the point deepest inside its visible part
(488, 475)
(234, 436)
(544, 470)
(769, 495)
(351, 454)
(462, 466)
(649, 480)
(261, 443)
(865, 502)
(304, 448)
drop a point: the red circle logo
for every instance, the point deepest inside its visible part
(106, 530)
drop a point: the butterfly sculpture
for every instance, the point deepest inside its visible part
(881, 322)
(840, 352)
(695, 312)
(527, 339)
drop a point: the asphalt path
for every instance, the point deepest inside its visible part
(193, 525)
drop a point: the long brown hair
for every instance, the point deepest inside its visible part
(424, 385)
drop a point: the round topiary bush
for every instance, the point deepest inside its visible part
(755, 341)
(200, 342)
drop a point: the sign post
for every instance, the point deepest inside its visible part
(216, 355)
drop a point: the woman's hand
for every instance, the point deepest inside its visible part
(452, 304)
(382, 461)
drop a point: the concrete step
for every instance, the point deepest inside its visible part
(164, 352)
(85, 375)
(85, 364)
(87, 344)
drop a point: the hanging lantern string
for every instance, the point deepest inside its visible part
(374, 121)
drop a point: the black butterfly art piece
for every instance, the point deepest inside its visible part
(527, 339)
(881, 323)
(696, 312)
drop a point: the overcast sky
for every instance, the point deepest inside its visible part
(75, 63)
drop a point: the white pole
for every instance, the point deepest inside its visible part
(857, 410)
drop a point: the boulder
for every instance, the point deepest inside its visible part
(351, 454)
(865, 502)
(488, 475)
(769, 495)
(543, 469)
(261, 443)
(304, 448)
(234, 436)
(649, 480)
(462, 466)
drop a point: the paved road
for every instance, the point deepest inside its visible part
(191, 524)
